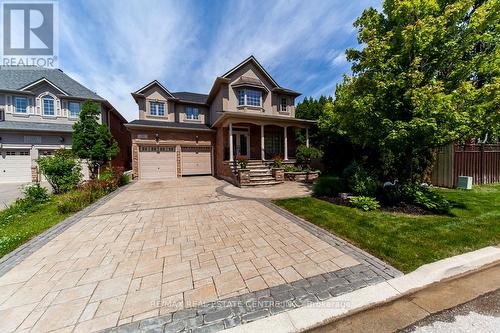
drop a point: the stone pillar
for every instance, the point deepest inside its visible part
(262, 150)
(35, 177)
(286, 143)
(307, 137)
(135, 161)
(231, 158)
(178, 160)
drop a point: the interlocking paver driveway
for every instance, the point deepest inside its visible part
(155, 248)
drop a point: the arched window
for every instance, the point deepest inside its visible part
(48, 105)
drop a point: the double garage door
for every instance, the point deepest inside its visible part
(15, 165)
(160, 162)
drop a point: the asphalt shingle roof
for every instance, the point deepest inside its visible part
(17, 77)
(169, 124)
(191, 97)
(26, 125)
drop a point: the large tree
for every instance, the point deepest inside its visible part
(92, 141)
(427, 74)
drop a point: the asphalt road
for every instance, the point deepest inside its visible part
(480, 315)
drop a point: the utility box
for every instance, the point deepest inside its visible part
(464, 182)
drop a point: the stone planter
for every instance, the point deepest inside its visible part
(278, 174)
(302, 176)
(244, 176)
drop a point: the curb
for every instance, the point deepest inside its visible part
(318, 314)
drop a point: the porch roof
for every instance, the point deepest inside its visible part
(261, 119)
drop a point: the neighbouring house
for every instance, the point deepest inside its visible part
(245, 114)
(38, 107)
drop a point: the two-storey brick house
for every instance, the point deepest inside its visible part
(38, 107)
(246, 113)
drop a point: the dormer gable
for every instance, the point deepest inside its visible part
(152, 84)
(43, 80)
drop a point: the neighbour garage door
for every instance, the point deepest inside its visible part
(196, 160)
(15, 165)
(157, 162)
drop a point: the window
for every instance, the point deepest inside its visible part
(192, 113)
(48, 106)
(156, 109)
(21, 104)
(249, 97)
(283, 105)
(74, 109)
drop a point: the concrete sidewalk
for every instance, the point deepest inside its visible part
(409, 309)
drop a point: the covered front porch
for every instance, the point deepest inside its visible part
(262, 140)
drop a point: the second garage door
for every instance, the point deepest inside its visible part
(15, 166)
(196, 160)
(157, 162)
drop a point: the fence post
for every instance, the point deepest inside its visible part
(481, 163)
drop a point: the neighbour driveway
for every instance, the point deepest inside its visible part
(160, 247)
(9, 192)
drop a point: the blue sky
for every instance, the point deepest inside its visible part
(115, 47)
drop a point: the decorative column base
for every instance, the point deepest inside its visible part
(35, 176)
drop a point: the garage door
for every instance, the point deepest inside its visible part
(157, 162)
(15, 166)
(196, 160)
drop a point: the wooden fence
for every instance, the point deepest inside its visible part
(481, 162)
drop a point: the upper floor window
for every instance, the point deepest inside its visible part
(156, 109)
(192, 113)
(48, 106)
(74, 109)
(21, 104)
(283, 104)
(250, 97)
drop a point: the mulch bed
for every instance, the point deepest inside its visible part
(403, 208)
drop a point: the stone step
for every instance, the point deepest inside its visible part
(261, 178)
(260, 173)
(262, 183)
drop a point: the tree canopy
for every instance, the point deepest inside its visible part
(427, 74)
(93, 141)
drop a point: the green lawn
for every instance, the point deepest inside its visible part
(20, 228)
(407, 241)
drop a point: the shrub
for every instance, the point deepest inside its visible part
(417, 195)
(329, 186)
(85, 195)
(62, 171)
(359, 180)
(35, 194)
(304, 155)
(365, 203)
(277, 161)
(124, 179)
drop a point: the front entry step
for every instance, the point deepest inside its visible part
(260, 174)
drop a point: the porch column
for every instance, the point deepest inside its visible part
(262, 151)
(231, 142)
(286, 143)
(307, 137)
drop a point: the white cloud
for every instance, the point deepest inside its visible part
(115, 47)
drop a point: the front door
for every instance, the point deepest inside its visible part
(241, 144)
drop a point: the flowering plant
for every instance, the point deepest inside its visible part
(242, 161)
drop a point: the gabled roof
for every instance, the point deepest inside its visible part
(16, 78)
(43, 79)
(256, 63)
(154, 82)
